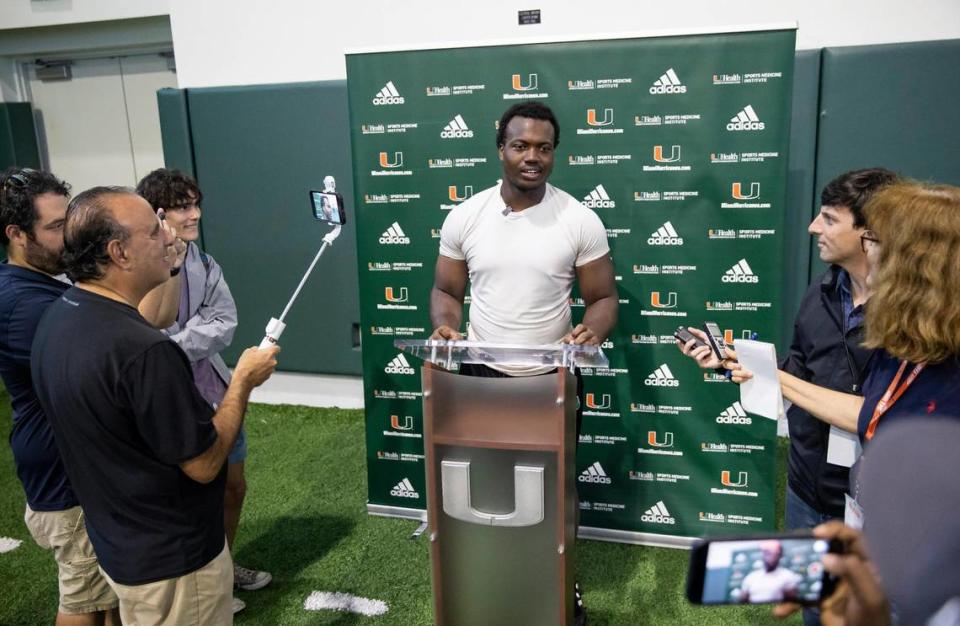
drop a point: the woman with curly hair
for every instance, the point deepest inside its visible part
(913, 252)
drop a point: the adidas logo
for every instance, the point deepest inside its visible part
(661, 377)
(399, 365)
(668, 83)
(598, 199)
(404, 489)
(665, 236)
(594, 474)
(734, 414)
(658, 514)
(456, 129)
(745, 120)
(394, 236)
(388, 95)
(740, 273)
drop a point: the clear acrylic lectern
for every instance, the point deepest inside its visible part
(501, 497)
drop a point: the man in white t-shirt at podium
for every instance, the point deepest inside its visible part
(521, 245)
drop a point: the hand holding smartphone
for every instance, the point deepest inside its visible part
(760, 570)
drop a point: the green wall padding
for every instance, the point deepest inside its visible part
(257, 152)
(175, 125)
(802, 199)
(895, 106)
(18, 136)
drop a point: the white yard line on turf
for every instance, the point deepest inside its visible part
(7, 544)
(325, 600)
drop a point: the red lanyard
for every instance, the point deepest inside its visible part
(891, 396)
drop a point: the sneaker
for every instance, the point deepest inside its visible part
(579, 611)
(238, 605)
(250, 579)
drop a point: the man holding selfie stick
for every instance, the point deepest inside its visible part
(144, 450)
(204, 326)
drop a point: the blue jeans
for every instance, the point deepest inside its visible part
(800, 515)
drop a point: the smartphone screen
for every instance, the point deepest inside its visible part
(327, 207)
(759, 571)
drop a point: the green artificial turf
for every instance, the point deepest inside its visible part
(305, 521)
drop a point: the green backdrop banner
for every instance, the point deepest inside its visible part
(680, 146)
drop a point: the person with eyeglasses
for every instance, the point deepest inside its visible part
(914, 316)
(33, 206)
(825, 349)
(204, 327)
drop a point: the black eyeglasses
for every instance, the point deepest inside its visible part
(868, 236)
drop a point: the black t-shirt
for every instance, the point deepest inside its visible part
(24, 297)
(125, 411)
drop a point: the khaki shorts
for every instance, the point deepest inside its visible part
(82, 588)
(204, 597)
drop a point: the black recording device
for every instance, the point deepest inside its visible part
(715, 340)
(684, 335)
(760, 570)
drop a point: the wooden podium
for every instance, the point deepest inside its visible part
(501, 497)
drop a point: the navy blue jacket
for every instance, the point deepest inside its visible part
(824, 355)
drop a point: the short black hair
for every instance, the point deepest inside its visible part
(89, 228)
(19, 187)
(852, 190)
(532, 110)
(169, 189)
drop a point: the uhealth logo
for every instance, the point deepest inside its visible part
(456, 129)
(746, 119)
(661, 377)
(385, 161)
(592, 403)
(593, 121)
(658, 514)
(517, 83)
(594, 474)
(395, 296)
(668, 83)
(456, 196)
(740, 273)
(657, 302)
(666, 235)
(674, 154)
(407, 422)
(399, 365)
(734, 414)
(388, 95)
(394, 236)
(736, 190)
(404, 489)
(727, 481)
(654, 443)
(598, 199)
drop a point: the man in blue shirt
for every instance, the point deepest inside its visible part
(32, 209)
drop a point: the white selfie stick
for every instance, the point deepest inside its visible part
(275, 327)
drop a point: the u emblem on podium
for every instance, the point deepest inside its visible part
(527, 489)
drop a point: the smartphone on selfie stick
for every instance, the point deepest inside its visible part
(326, 206)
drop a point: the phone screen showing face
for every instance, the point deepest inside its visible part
(327, 207)
(765, 570)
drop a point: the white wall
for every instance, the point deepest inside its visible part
(235, 42)
(31, 13)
